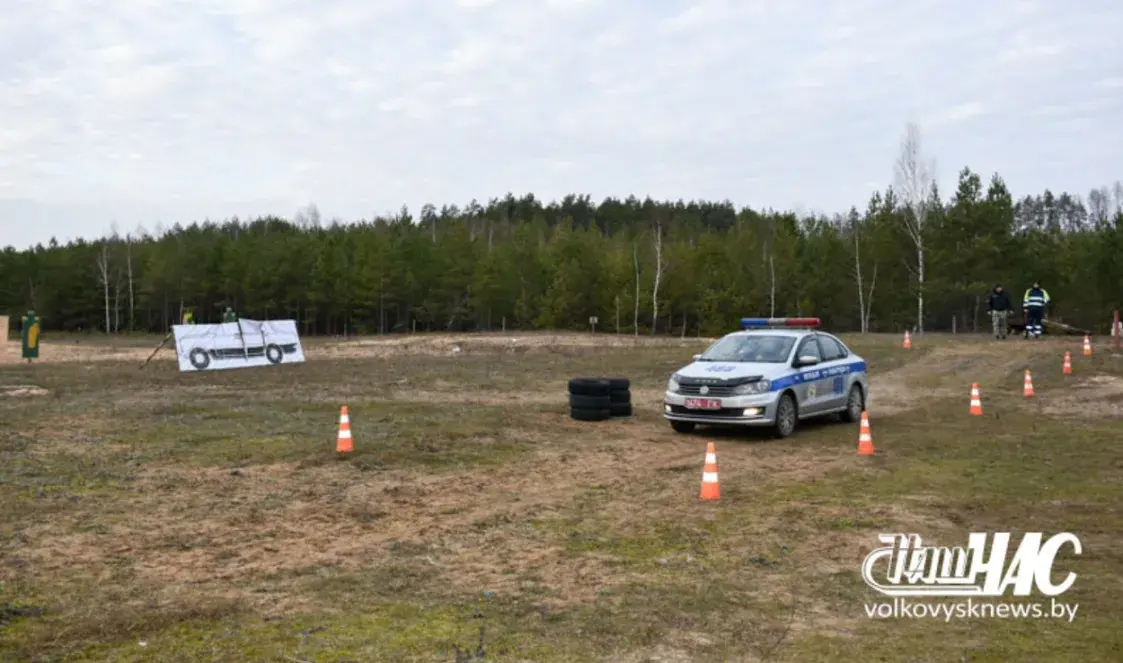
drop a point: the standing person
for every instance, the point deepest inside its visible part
(229, 315)
(999, 306)
(1034, 302)
(29, 335)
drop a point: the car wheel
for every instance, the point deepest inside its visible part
(855, 403)
(199, 358)
(785, 417)
(274, 354)
(683, 426)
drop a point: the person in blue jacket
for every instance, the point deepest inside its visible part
(1033, 303)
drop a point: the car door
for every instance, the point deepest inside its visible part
(833, 362)
(810, 383)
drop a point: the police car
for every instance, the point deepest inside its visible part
(774, 373)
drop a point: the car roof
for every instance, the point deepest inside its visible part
(793, 333)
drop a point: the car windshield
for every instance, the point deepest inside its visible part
(754, 348)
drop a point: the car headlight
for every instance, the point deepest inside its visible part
(758, 387)
(672, 385)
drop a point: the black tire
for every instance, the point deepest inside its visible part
(621, 409)
(274, 353)
(581, 414)
(589, 387)
(620, 396)
(787, 417)
(589, 402)
(199, 358)
(855, 404)
(683, 426)
(617, 384)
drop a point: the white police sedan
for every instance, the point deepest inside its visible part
(774, 373)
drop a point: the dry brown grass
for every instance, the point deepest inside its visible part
(173, 508)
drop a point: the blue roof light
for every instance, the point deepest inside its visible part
(764, 323)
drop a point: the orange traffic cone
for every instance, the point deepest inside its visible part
(343, 443)
(1027, 390)
(710, 488)
(976, 402)
(1067, 370)
(908, 340)
(865, 440)
(1087, 346)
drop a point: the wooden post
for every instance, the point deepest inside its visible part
(1118, 330)
(953, 324)
(158, 347)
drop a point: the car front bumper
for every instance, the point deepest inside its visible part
(753, 410)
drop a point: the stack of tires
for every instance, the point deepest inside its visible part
(599, 399)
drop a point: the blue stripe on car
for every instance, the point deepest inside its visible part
(815, 374)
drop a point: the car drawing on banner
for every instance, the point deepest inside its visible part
(246, 343)
(201, 358)
(773, 374)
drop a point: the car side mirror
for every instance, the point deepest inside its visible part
(807, 360)
(697, 357)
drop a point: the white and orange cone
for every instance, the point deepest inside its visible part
(865, 440)
(908, 340)
(1067, 369)
(710, 488)
(1087, 346)
(343, 443)
(976, 401)
(1027, 390)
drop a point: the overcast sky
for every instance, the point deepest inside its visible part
(141, 112)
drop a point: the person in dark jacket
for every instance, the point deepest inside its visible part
(999, 306)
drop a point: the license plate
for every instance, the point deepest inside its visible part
(703, 404)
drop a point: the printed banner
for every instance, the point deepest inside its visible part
(239, 344)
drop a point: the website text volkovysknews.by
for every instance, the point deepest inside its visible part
(971, 609)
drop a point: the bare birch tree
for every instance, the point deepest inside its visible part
(913, 184)
(865, 302)
(772, 286)
(103, 273)
(129, 271)
(858, 277)
(767, 260)
(635, 263)
(658, 241)
(117, 301)
(869, 301)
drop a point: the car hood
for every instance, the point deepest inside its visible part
(721, 371)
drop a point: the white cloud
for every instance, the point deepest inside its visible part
(137, 108)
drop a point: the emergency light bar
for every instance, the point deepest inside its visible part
(764, 323)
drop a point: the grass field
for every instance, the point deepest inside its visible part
(148, 515)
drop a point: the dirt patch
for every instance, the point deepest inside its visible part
(61, 353)
(17, 390)
(450, 345)
(945, 372)
(1096, 397)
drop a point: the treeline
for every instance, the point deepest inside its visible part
(639, 266)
